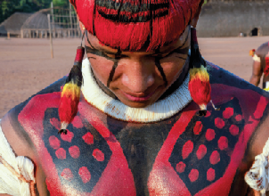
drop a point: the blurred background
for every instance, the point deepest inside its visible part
(38, 41)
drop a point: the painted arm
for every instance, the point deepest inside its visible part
(256, 73)
(18, 157)
(257, 176)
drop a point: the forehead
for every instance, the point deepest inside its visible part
(97, 44)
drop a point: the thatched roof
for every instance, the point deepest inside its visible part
(38, 20)
(14, 23)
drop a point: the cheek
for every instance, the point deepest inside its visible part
(172, 70)
(101, 68)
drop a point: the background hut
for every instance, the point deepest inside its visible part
(13, 24)
(230, 18)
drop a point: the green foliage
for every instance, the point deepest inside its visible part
(61, 3)
(8, 7)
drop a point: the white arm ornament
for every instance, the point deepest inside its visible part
(16, 173)
(258, 175)
(256, 58)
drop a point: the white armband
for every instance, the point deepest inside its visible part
(16, 173)
(256, 58)
(258, 175)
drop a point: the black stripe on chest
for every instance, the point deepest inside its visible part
(141, 144)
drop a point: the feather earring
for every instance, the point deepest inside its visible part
(70, 94)
(199, 84)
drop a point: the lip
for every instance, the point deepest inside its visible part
(138, 97)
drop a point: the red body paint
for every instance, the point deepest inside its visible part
(214, 157)
(210, 134)
(74, 151)
(219, 123)
(77, 122)
(187, 149)
(68, 136)
(67, 174)
(201, 152)
(223, 143)
(162, 169)
(234, 130)
(228, 113)
(84, 174)
(181, 167)
(210, 174)
(197, 128)
(56, 123)
(54, 142)
(88, 138)
(61, 153)
(98, 155)
(238, 117)
(193, 175)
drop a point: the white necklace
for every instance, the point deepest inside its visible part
(160, 110)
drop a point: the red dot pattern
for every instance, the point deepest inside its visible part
(60, 153)
(228, 113)
(187, 149)
(98, 155)
(85, 174)
(76, 122)
(180, 167)
(210, 134)
(201, 152)
(68, 136)
(214, 157)
(67, 174)
(234, 130)
(238, 117)
(215, 141)
(56, 123)
(223, 143)
(88, 138)
(74, 151)
(210, 174)
(219, 123)
(194, 175)
(197, 128)
(54, 142)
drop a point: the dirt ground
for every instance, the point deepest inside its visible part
(26, 65)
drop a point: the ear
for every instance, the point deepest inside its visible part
(195, 19)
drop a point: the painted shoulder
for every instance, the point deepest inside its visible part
(31, 109)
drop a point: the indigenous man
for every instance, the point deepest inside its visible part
(145, 123)
(260, 66)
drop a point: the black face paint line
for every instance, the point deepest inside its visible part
(158, 65)
(112, 72)
(97, 52)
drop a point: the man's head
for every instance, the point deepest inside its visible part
(138, 48)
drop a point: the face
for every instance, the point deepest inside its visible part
(138, 79)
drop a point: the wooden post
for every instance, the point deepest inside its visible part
(70, 15)
(21, 33)
(51, 45)
(52, 19)
(8, 35)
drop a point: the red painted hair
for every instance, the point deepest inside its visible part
(132, 25)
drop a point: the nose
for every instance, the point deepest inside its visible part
(138, 75)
